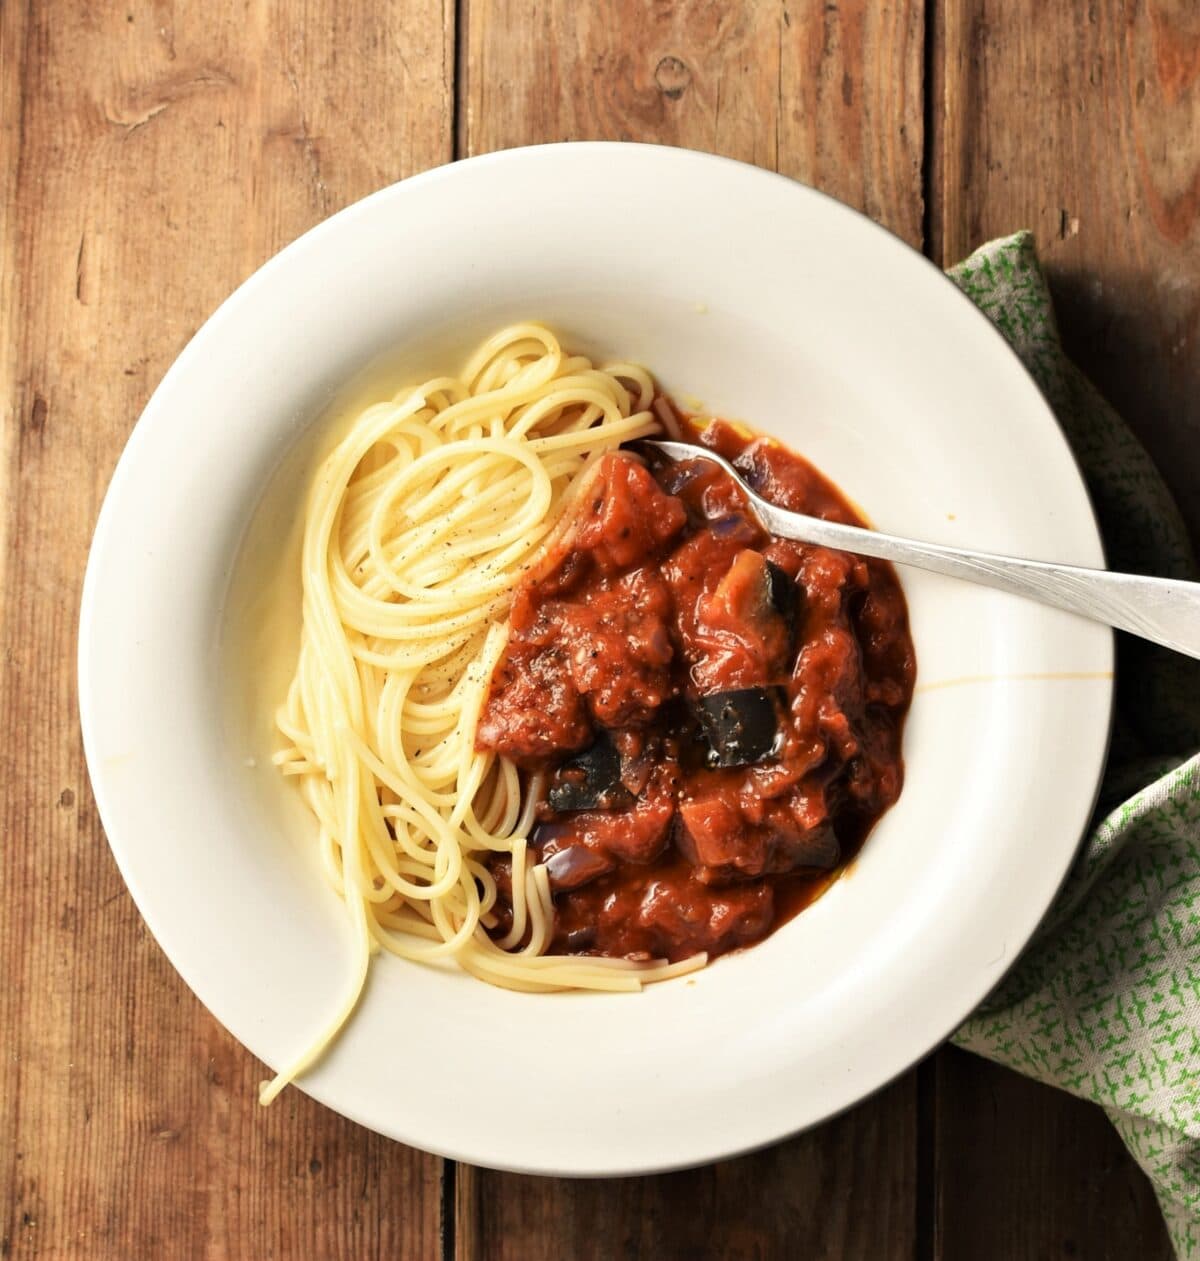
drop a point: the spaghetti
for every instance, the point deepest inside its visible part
(418, 528)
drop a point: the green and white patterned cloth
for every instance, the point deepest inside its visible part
(1105, 1002)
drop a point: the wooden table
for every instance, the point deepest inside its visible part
(152, 156)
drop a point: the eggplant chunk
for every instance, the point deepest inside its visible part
(742, 727)
(575, 865)
(580, 939)
(590, 780)
(819, 848)
(735, 527)
(784, 594)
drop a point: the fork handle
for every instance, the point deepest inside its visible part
(1164, 610)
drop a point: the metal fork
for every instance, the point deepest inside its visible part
(1164, 610)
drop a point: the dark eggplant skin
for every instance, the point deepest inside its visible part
(590, 780)
(742, 727)
(784, 594)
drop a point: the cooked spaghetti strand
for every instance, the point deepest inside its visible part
(418, 528)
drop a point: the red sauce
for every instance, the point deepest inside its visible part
(667, 638)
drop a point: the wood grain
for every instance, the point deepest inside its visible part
(1027, 1171)
(828, 93)
(1081, 122)
(844, 1191)
(151, 157)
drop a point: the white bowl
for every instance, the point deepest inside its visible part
(769, 302)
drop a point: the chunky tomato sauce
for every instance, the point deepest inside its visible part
(716, 712)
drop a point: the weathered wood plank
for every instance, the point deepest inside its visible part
(1027, 1171)
(1083, 123)
(843, 1191)
(828, 93)
(152, 156)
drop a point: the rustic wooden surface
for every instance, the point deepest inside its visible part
(152, 155)
(1082, 121)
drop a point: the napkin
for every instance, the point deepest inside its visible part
(1105, 1001)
